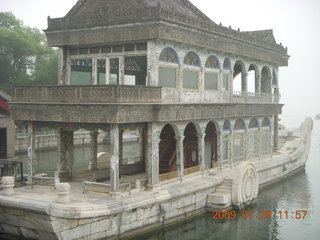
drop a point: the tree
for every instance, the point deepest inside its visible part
(25, 58)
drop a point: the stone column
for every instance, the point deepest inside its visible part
(244, 82)
(257, 83)
(31, 152)
(259, 139)
(107, 71)
(230, 87)
(62, 66)
(114, 163)
(180, 155)
(201, 83)
(153, 157)
(65, 152)
(120, 151)
(201, 158)
(94, 152)
(121, 70)
(180, 80)
(152, 69)
(94, 72)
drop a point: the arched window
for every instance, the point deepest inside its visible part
(274, 79)
(213, 62)
(253, 123)
(169, 55)
(211, 77)
(167, 150)
(191, 76)
(168, 74)
(239, 141)
(265, 137)
(252, 144)
(227, 64)
(265, 122)
(226, 125)
(239, 125)
(192, 59)
(225, 76)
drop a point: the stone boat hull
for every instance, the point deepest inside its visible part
(33, 218)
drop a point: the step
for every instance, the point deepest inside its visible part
(219, 198)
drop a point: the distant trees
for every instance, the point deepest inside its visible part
(25, 58)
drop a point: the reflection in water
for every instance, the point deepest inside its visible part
(299, 192)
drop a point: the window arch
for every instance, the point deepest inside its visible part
(253, 123)
(274, 78)
(169, 55)
(239, 77)
(265, 122)
(227, 64)
(192, 59)
(239, 125)
(226, 125)
(213, 62)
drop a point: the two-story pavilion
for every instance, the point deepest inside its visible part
(202, 95)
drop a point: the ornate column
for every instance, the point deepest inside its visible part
(153, 157)
(65, 152)
(180, 155)
(201, 158)
(94, 152)
(114, 162)
(31, 152)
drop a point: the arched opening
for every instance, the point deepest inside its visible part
(210, 146)
(265, 80)
(167, 150)
(190, 146)
(212, 73)
(253, 79)
(239, 77)
(226, 74)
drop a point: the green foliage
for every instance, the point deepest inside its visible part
(25, 58)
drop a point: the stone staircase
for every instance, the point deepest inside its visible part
(221, 199)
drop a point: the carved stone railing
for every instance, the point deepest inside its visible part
(249, 97)
(85, 94)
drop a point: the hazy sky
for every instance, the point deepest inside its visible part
(295, 24)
